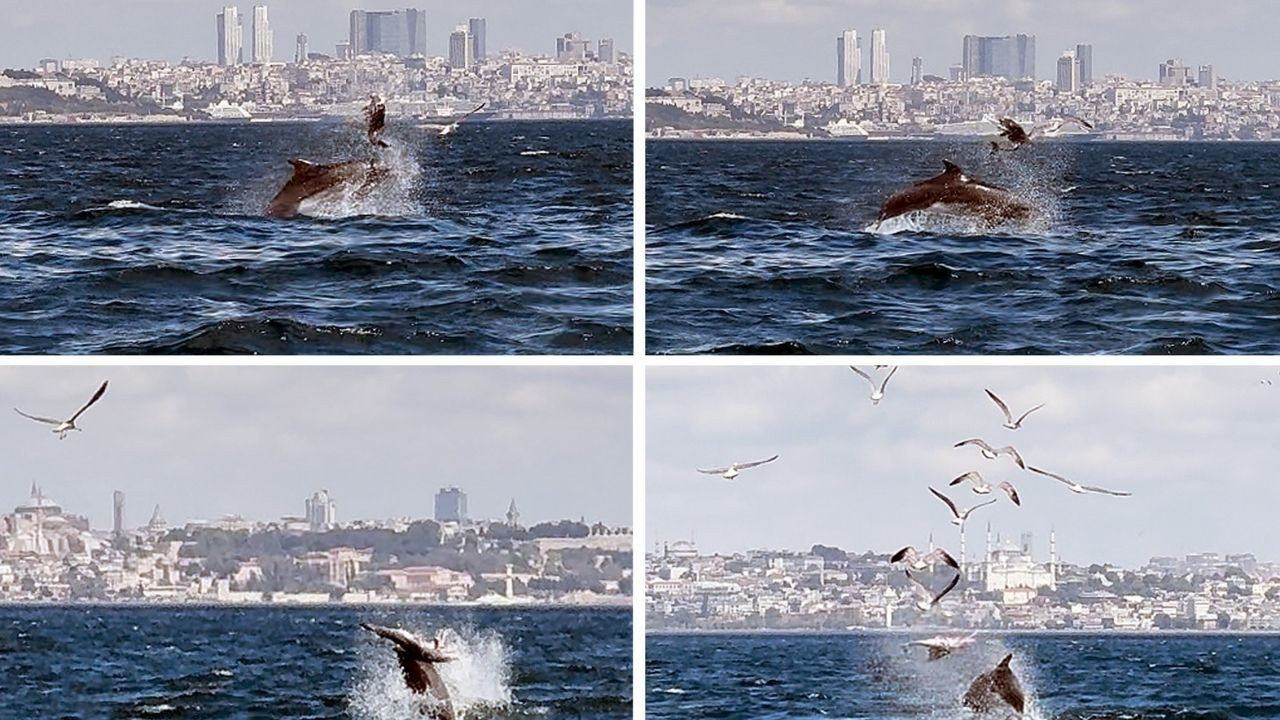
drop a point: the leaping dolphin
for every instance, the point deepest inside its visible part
(994, 687)
(954, 192)
(311, 181)
(375, 114)
(418, 661)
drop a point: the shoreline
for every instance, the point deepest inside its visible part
(8, 122)
(205, 605)
(943, 139)
(673, 632)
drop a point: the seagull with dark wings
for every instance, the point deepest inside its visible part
(62, 427)
(1009, 422)
(959, 516)
(1077, 488)
(877, 390)
(991, 453)
(1018, 136)
(734, 469)
(982, 487)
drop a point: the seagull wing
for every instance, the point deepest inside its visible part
(402, 638)
(907, 553)
(479, 107)
(1025, 414)
(864, 376)
(885, 383)
(713, 471)
(1008, 417)
(1104, 491)
(972, 476)
(1046, 473)
(975, 441)
(37, 418)
(944, 556)
(950, 586)
(1012, 492)
(920, 589)
(1079, 121)
(947, 500)
(1013, 452)
(101, 389)
(757, 463)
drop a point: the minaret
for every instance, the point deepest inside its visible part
(513, 515)
(39, 496)
(511, 590)
(962, 557)
(930, 542)
(1053, 559)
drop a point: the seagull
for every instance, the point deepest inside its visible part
(417, 662)
(734, 469)
(375, 113)
(981, 487)
(925, 598)
(1009, 422)
(991, 453)
(918, 562)
(1018, 136)
(940, 646)
(877, 393)
(62, 427)
(958, 516)
(1077, 488)
(453, 126)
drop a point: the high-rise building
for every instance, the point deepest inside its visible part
(1012, 57)
(117, 514)
(479, 28)
(917, 70)
(460, 57)
(605, 52)
(570, 47)
(1174, 74)
(1084, 56)
(321, 511)
(261, 35)
(230, 37)
(879, 58)
(300, 54)
(451, 505)
(848, 59)
(1208, 77)
(396, 32)
(342, 51)
(1068, 72)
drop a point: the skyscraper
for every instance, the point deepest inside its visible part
(460, 47)
(570, 47)
(1068, 72)
(261, 35)
(451, 505)
(917, 70)
(1174, 74)
(300, 54)
(605, 54)
(321, 511)
(396, 32)
(848, 59)
(1208, 77)
(479, 34)
(879, 58)
(1084, 56)
(230, 37)
(117, 514)
(1012, 57)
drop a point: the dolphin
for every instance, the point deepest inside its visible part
(418, 661)
(311, 180)
(954, 192)
(994, 687)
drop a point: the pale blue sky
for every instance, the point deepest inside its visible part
(1195, 445)
(172, 29)
(208, 441)
(795, 39)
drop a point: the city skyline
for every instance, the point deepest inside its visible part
(788, 40)
(79, 29)
(857, 476)
(204, 442)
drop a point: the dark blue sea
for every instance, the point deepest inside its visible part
(872, 676)
(506, 237)
(764, 247)
(306, 663)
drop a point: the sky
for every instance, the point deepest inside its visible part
(173, 29)
(795, 39)
(203, 442)
(1196, 447)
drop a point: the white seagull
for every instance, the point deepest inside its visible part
(452, 127)
(1009, 422)
(940, 646)
(991, 453)
(918, 562)
(734, 469)
(1076, 487)
(925, 599)
(62, 427)
(877, 391)
(958, 516)
(982, 487)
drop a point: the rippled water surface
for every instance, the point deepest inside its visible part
(872, 677)
(502, 238)
(1138, 248)
(307, 663)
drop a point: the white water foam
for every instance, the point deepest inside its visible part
(941, 684)
(478, 679)
(394, 196)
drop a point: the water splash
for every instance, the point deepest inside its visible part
(394, 196)
(941, 684)
(479, 679)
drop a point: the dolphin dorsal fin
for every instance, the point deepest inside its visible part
(1005, 661)
(951, 168)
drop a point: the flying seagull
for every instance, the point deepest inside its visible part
(925, 598)
(982, 487)
(877, 392)
(734, 469)
(958, 516)
(418, 660)
(375, 114)
(1018, 136)
(991, 453)
(918, 562)
(453, 126)
(1076, 487)
(941, 646)
(62, 427)
(1009, 422)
